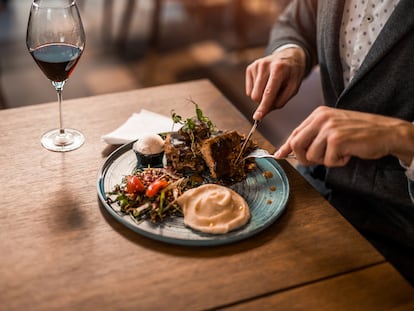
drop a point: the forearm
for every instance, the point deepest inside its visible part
(331, 136)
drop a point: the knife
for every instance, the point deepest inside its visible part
(243, 147)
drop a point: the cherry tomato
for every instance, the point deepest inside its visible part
(155, 187)
(134, 184)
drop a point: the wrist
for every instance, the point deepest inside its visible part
(404, 147)
(286, 46)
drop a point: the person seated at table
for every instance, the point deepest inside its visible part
(361, 141)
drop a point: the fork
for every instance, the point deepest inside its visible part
(261, 153)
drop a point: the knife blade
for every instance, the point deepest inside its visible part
(243, 147)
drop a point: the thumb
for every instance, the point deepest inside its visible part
(283, 151)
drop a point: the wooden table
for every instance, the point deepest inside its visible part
(61, 250)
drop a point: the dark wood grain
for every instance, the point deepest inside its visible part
(376, 288)
(61, 250)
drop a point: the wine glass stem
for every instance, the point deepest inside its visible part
(59, 90)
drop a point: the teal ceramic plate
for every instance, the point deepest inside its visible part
(267, 198)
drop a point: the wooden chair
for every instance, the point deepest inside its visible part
(196, 7)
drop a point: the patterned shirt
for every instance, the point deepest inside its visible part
(362, 22)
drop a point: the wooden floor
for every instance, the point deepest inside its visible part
(196, 39)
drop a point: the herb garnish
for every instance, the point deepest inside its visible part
(190, 125)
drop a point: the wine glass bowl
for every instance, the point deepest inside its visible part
(56, 39)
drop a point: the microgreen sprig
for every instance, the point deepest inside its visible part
(188, 124)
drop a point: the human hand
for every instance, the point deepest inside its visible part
(272, 80)
(331, 136)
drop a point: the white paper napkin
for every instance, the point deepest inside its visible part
(144, 122)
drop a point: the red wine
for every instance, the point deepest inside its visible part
(57, 60)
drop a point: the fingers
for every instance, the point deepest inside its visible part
(262, 85)
(250, 78)
(270, 94)
(333, 158)
(298, 143)
(307, 141)
(330, 137)
(273, 90)
(261, 75)
(283, 151)
(272, 80)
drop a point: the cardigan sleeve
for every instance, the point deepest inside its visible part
(411, 189)
(297, 25)
(409, 172)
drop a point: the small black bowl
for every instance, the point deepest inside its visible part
(149, 160)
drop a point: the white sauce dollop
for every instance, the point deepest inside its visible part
(149, 144)
(214, 209)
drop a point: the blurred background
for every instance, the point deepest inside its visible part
(141, 43)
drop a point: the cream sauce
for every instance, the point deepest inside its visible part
(214, 209)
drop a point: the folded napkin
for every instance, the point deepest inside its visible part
(144, 122)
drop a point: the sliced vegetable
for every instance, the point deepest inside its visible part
(155, 187)
(134, 185)
(130, 196)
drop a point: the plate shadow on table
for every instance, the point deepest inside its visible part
(247, 244)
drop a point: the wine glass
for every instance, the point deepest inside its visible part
(56, 39)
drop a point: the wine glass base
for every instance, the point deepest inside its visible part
(69, 140)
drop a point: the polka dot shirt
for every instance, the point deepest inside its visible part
(361, 24)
